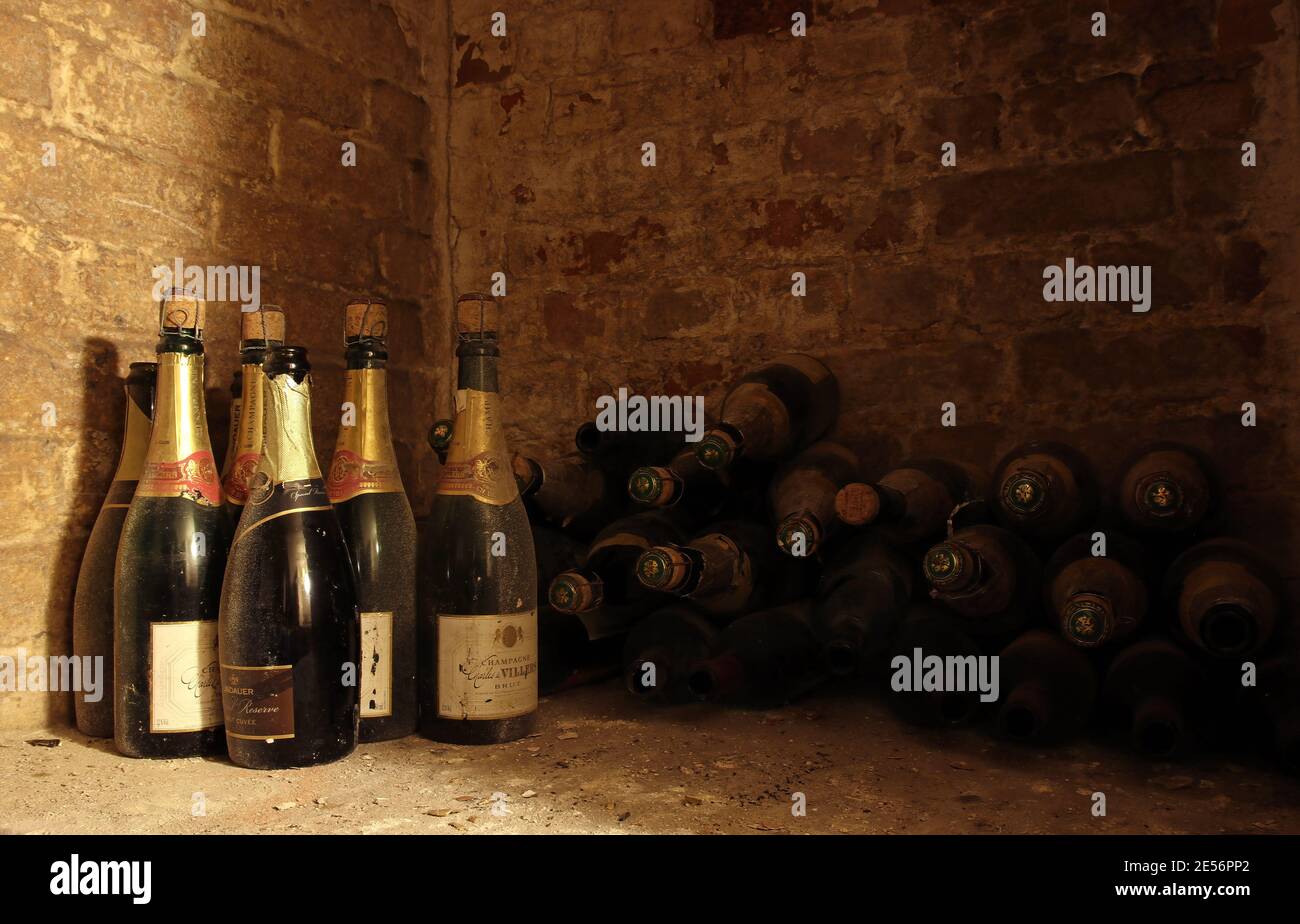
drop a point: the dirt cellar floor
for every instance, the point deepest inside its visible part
(602, 763)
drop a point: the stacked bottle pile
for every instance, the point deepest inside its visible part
(756, 563)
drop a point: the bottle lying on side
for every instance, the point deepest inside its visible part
(1048, 689)
(988, 576)
(911, 503)
(762, 660)
(932, 630)
(1158, 693)
(1045, 491)
(803, 496)
(730, 569)
(773, 411)
(1167, 491)
(608, 574)
(1225, 596)
(661, 648)
(579, 648)
(861, 597)
(1097, 599)
(570, 493)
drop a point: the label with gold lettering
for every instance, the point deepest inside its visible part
(478, 464)
(258, 701)
(351, 475)
(184, 675)
(487, 665)
(194, 478)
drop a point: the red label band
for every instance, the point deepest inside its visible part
(240, 477)
(194, 477)
(351, 475)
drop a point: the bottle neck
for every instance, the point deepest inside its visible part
(179, 462)
(135, 435)
(364, 461)
(288, 451)
(478, 366)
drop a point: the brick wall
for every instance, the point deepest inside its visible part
(218, 149)
(821, 155)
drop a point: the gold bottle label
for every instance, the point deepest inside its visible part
(478, 463)
(184, 676)
(232, 443)
(179, 462)
(258, 701)
(247, 452)
(487, 665)
(364, 462)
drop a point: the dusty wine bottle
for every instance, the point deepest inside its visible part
(1166, 490)
(1097, 598)
(911, 503)
(170, 561)
(728, 570)
(290, 629)
(1049, 688)
(572, 493)
(988, 576)
(92, 608)
(930, 630)
(661, 648)
(608, 575)
(683, 483)
(477, 621)
(803, 496)
(1225, 596)
(764, 659)
(772, 411)
(861, 597)
(258, 332)
(1044, 490)
(366, 490)
(1157, 691)
(579, 648)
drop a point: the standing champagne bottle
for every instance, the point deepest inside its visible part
(803, 496)
(366, 491)
(863, 594)
(1044, 491)
(911, 503)
(988, 576)
(92, 609)
(258, 332)
(170, 561)
(1225, 596)
(478, 597)
(1159, 692)
(1096, 599)
(764, 659)
(289, 626)
(772, 411)
(1048, 687)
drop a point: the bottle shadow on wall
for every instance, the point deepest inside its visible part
(100, 426)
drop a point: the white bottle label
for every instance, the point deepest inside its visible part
(487, 665)
(184, 676)
(376, 664)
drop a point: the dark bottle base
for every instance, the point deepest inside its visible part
(386, 728)
(95, 724)
(257, 755)
(207, 743)
(487, 731)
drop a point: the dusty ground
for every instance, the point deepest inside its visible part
(602, 763)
